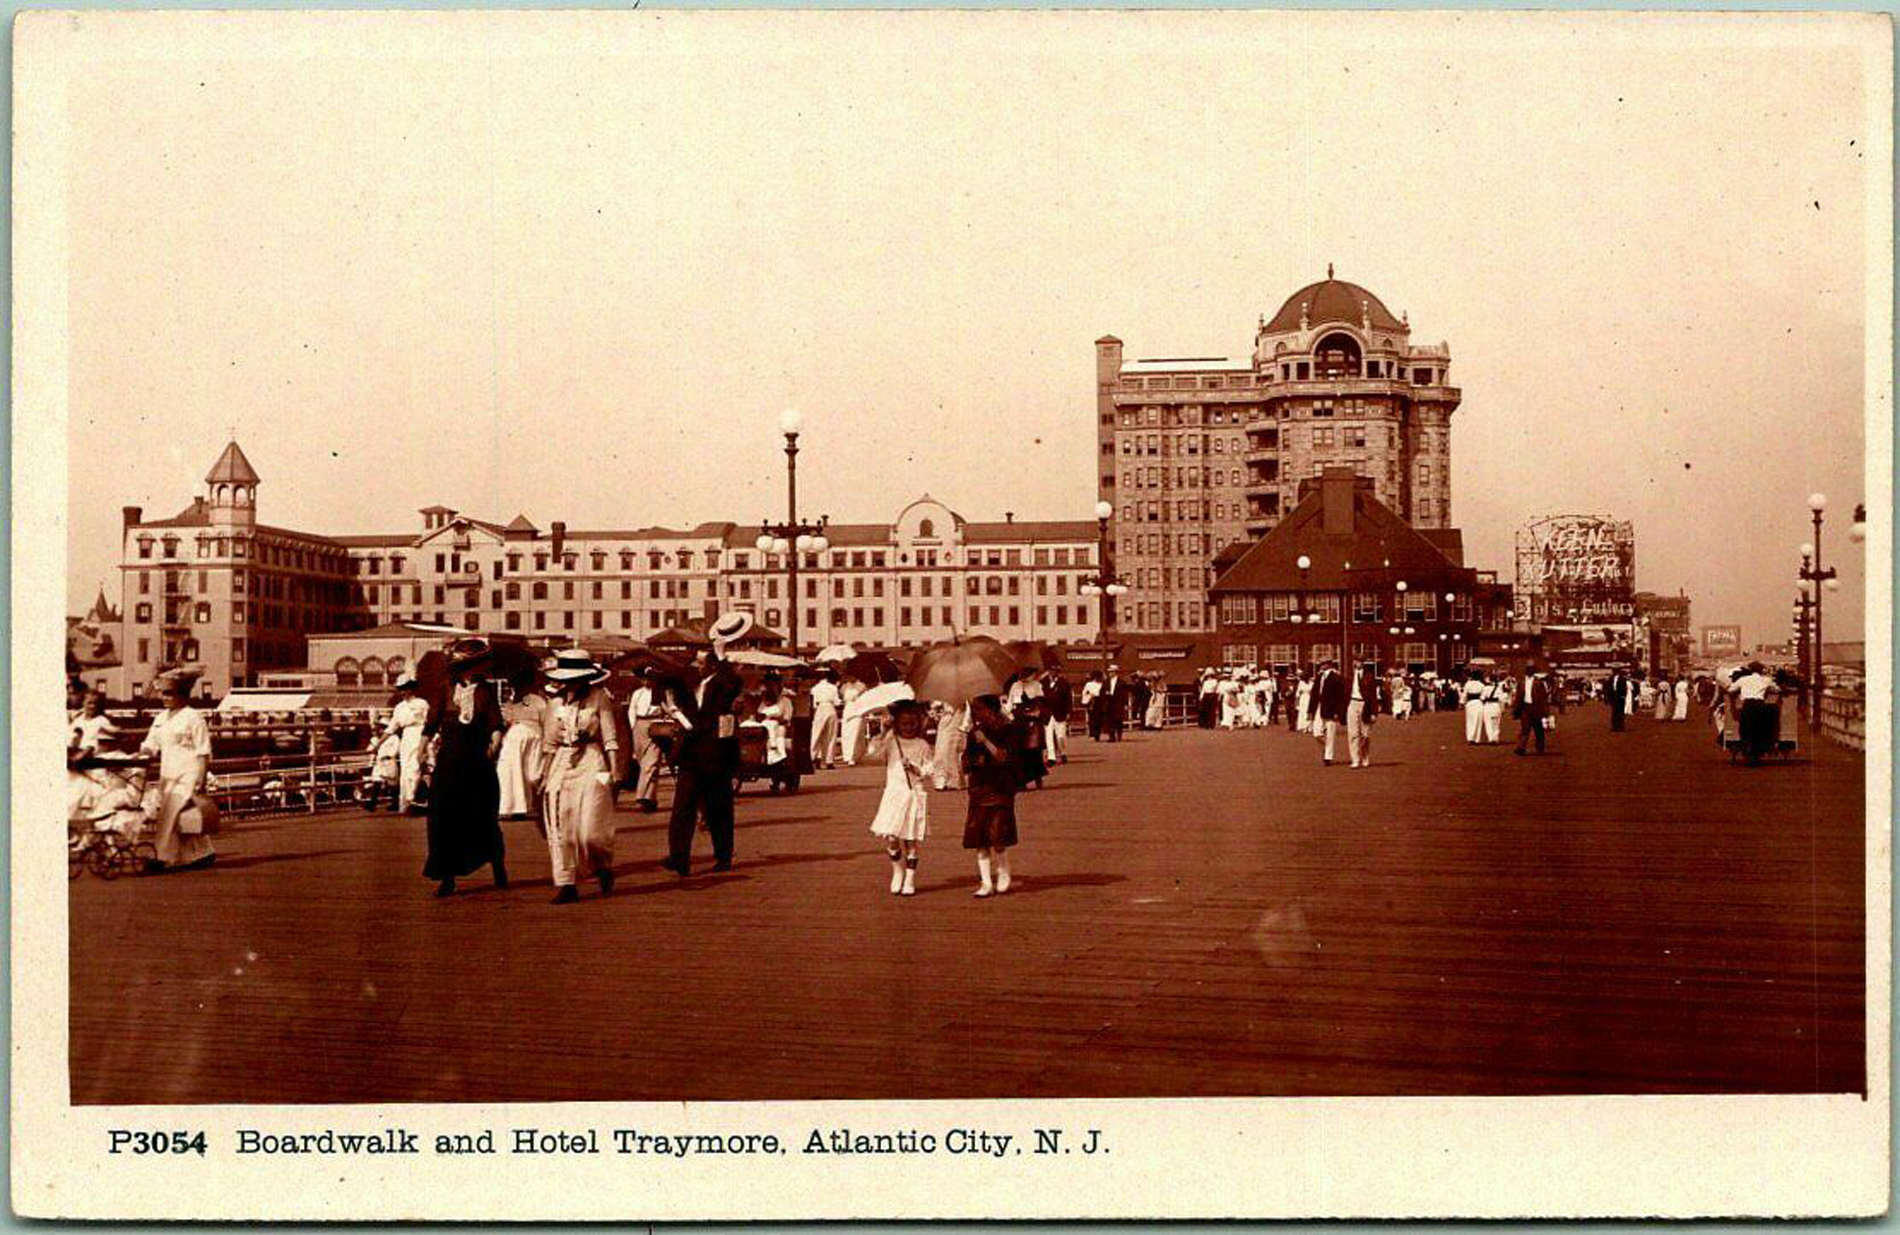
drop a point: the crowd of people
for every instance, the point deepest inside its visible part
(551, 744)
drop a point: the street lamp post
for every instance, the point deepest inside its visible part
(792, 537)
(1105, 584)
(1821, 578)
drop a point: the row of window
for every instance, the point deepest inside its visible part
(1196, 509)
(1182, 477)
(860, 618)
(451, 563)
(1162, 445)
(1413, 605)
(266, 552)
(1292, 656)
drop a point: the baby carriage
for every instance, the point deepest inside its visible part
(108, 811)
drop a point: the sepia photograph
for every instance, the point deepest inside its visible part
(821, 588)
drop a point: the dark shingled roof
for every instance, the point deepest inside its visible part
(1332, 300)
(232, 468)
(1378, 535)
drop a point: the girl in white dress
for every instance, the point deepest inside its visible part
(901, 811)
(1682, 699)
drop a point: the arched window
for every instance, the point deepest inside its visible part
(1337, 356)
(926, 529)
(347, 671)
(372, 672)
(395, 667)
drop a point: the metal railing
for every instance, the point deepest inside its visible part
(1844, 717)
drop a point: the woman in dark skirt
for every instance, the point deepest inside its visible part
(1032, 719)
(465, 795)
(993, 766)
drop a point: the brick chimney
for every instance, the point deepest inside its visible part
(132, 515)
(1336, 485)
(559, 531)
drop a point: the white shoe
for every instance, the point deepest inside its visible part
(983, 891)
(1002, 883)
(897, 878)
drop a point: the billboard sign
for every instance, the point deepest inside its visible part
(1719, 641)
(1576, 569)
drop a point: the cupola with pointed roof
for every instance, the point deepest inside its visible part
(231, 489)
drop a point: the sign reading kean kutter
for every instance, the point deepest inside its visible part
(404, 462)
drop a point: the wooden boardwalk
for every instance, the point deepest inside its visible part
(1195, 914)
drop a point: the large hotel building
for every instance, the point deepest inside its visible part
(1199, 453)
(213, 588)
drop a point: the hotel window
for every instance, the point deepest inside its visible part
(596, 589)
(143, 613)
(494, 598)
(946, 617)
(1367, 607)
(653, 559)
(1322, 437)
(598, 616)
(1417, 653)
(599, 558)
(838, 617)
(511, 620)
(1355, 435)
(569, 561)
(903, 615)
(1015, 615)
(514, 561)
(540, 619)
(567, 620)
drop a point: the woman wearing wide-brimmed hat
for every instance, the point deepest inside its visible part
(182, 741)
(465, 795)
(579, 805)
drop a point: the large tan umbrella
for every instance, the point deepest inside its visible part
(960, 670)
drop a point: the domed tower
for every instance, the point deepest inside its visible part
(231, 490)
(1345, 386)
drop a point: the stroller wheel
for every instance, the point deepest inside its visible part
(75, 862)
(102, 862)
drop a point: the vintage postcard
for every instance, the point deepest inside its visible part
(779, 615)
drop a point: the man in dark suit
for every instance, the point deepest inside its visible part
(1329, 693)
(1533, 706)
(707, 762)
(1113, 701)
(1617, 693)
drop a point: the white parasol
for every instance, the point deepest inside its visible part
(838, 651)
(878, 697)
(762, 660)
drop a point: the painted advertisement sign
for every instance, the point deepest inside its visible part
(1576, 569)
(1721, 641)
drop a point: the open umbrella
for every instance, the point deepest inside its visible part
(872, 667)
(1034, 654)
(878, 697)
(840, 652)
(960, 670)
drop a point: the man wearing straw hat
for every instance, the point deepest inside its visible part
(709, 752)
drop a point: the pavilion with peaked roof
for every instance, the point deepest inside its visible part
(1344, 570)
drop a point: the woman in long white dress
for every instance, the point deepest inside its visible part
(579, 807)
(408, 722)
(520, 764)
(1665, 698)
(1682, 699)
(852, 740)
(953, 726)
(182, 741)
(1157, 704)
(1303, 700)
(1475, 687)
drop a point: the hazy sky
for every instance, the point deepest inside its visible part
(574, 274)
